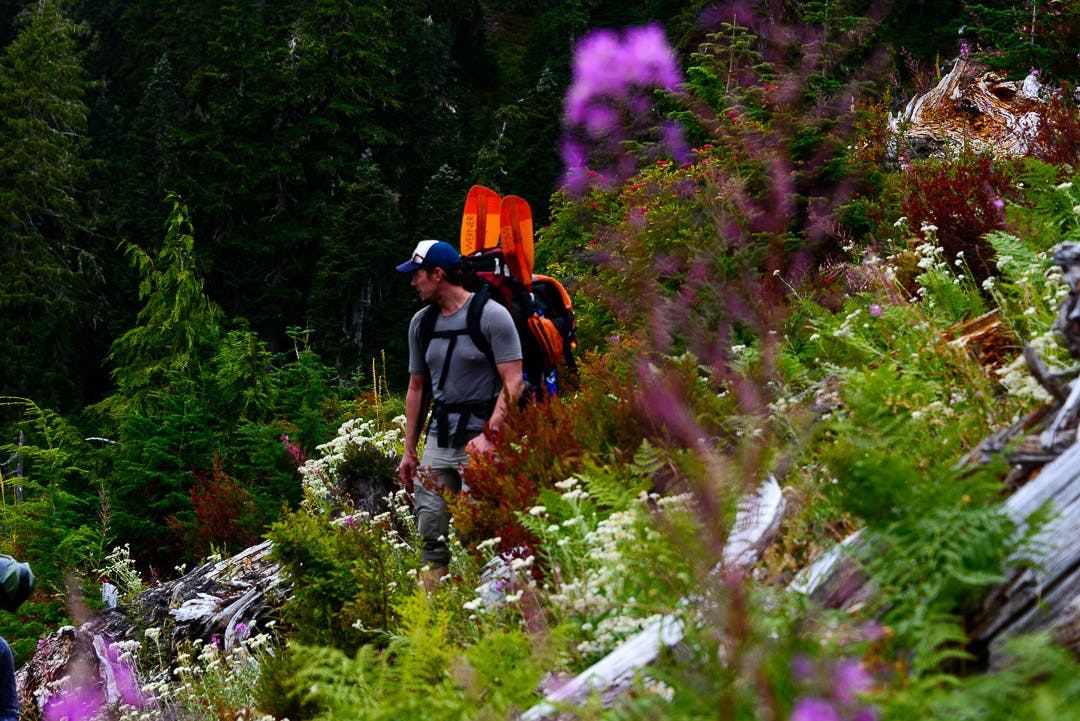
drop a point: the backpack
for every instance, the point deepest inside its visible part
(544, 319)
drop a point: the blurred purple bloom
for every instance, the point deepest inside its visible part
(648, 58)
(674, 139)
(850, 679)
(998, 203)
(875, 311)
(874, 631)
(865, 714)
(802, 666)
(611, 100)
(599, 120)
(123, 676)
(78, 704)
(811, 708)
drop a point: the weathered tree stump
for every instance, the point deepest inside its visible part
(969, 108)
(212, 600)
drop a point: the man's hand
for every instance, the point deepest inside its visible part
(479, 445)
(407, 470)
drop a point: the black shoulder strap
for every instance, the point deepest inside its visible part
(472, 323)
(426, 330)
(427, 327)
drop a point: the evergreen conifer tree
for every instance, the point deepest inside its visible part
(43, 119)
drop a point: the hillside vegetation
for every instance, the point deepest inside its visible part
(767, 285)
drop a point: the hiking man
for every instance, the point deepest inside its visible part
(472, 390)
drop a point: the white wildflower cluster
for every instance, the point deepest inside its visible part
(931, 256)
(204, 674)
(503, 580)
(847, 327)
(600, 592)
(120, 570)
(1017, 379)
(934, 410)
(318, 475)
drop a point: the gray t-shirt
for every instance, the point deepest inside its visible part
(470, 377)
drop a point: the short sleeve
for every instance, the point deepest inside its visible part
(498, 326)
(417, 364)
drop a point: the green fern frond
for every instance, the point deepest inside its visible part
(1014, 257)
(616, 491)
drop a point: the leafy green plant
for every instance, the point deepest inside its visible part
(608, 569)
(928, 569)
(1038, 681)
(421, 672)
(347, 576)
(52, 516)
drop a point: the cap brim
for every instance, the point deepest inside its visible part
(408, 267)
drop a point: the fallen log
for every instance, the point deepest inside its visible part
(1044, 593)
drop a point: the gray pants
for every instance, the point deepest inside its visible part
(438, 466)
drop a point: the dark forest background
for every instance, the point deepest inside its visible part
(312, 142)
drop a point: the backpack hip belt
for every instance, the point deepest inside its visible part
(440, 413)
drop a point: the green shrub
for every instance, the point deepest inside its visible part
(347, 576)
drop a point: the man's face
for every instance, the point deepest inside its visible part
(426, 282)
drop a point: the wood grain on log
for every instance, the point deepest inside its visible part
(1044, 596)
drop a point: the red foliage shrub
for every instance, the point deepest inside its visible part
(543, 444)
(964, 199)
(1057, 139)
(223, 511)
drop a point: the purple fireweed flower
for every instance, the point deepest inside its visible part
(611, 100)
(998, 203)
(812, 708)
(875, 311)
(78, 704)
(850, 679)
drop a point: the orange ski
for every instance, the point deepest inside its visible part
(517, 238)
(480, 221)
